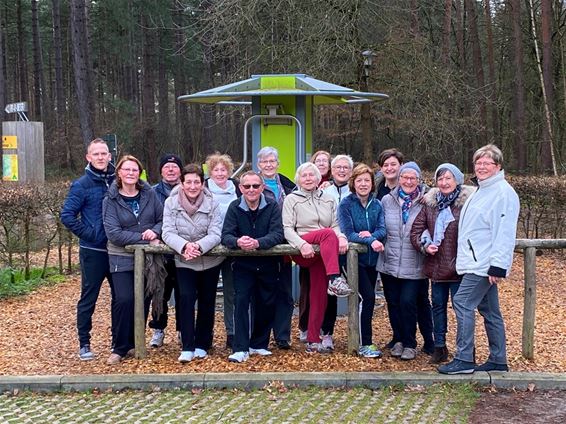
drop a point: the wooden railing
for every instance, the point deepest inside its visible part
(279, 250)
(529, 246)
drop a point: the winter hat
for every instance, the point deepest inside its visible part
(170, 157)
(410, 166)
(458, 175)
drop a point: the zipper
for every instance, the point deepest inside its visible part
(472, 249)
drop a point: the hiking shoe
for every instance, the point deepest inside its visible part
(303, 336)
(492, 366)
(157, 338)
(283, 344)
(261, 352)
(327, 342)
(339, 287)
(408, 354)
(200, 353)
(457, 367)
(397, 350)
(85, 354)
(114, 359)
(369, 351)
(317, 348)
(439, 355)
(239, 357)
(186, 356)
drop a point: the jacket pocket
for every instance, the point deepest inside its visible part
(472, 249)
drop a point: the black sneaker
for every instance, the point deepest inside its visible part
(283, 344)
(457, 367)
(492, 366)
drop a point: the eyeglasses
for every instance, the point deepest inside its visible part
(484, 164)
(248, 186)
(402, 177)
(341, 167)
(268, 162)
(321, 161)
(128, 170)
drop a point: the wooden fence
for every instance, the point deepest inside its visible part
(529, 246)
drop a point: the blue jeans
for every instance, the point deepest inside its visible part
(475, 292)
(440, 293)
(366, 286)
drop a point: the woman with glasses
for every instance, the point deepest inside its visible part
(400, 265)
(192, 225)
(277, 187)
(132, 214)
(322, 159)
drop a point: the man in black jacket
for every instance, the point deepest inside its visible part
(253, 223)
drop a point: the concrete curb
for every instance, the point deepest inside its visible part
(374, 380)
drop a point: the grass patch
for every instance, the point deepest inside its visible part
(13, 283)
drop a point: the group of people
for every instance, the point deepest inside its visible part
(458, 237)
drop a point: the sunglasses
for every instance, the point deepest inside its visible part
(248, 186)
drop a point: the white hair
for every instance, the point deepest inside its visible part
(347, 158)
(307, 166)
(266, 152)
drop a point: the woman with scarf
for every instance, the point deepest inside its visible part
(192, 225)
(401, 265)
(435, 234)
(224, 190)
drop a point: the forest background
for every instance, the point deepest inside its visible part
(459, 73)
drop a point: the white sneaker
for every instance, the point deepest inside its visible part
(157, 338)
(200, 353)
(261, 352)
(327, 342)
(339, 287)
(239, 357)
(186, 356)
(303, 335)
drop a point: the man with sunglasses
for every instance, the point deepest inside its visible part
(253, 223)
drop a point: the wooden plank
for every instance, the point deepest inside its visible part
(541, 243)
(139, 315)
(529, 303)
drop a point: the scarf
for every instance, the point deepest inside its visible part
(189, 206)
(445, 216)
(407, 202)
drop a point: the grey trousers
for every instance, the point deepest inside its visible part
(476, 292)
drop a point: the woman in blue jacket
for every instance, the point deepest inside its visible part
(360, 216)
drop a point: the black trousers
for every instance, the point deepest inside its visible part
(197, 286)
(260, 287)
(123, 312)
(284, 304)
(159, 322)
(94, 269)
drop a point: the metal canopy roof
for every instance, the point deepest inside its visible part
(241, 92)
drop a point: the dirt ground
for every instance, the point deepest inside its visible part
(527, 407)
(38, 335)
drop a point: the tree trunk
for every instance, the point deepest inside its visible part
(148, 102)
(81, 69)
(40, 89)
(446, 31)
(22, 62)
(164, 132)
(492, 81)
(3, 76)
(547, 76)
(518, 110)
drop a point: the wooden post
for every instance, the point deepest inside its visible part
(530, 302)
(139, 295)
(353, 303)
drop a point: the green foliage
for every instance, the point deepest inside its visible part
(13, 283)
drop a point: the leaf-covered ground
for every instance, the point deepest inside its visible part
(38, 335)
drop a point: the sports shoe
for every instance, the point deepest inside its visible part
(85, 354)
(186, 356)
(261, 352)
(283, 344)
(327, 342)
(317, 348)
(439, 355)
(339, 287)
(114, 359)
(369, 351)
(157, 338)
(457, 367)
(200, 353)
(239, 357)
(492, 366)
(397, 350)
(408, 354)
(303, 335)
